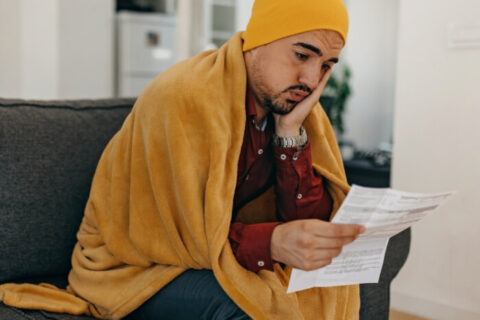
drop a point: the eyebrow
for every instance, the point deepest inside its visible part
(316, 50)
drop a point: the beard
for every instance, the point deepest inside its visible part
(277, 105)
(266, 97)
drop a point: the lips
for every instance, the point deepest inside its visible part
(297, 95)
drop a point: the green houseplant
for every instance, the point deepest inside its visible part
(334, 98)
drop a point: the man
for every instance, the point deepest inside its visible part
(222, 178)
(285, 79)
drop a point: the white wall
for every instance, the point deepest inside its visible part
(53, 49)
(10, 48)
(193, 30)
(86, 45)
(39, 49)
(437, 148)
(243, 12)
(371, 54)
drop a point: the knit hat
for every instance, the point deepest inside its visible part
(275, 19)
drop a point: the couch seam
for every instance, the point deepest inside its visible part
(85, 108)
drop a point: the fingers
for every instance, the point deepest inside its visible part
(321, 85)
(313, 265)
(337, 230)
(309, 102)
(317, 92)
(332, 243)
(311, 243)
(320, 234)
(326, 254)
(318, 258)
(324, 80)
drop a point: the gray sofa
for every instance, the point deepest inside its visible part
(48, 154)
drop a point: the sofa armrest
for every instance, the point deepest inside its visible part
(375, 297)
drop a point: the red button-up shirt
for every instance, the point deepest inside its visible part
(300, 193)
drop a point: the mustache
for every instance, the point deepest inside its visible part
(298, 87)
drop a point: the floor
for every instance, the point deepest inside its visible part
(397, 315)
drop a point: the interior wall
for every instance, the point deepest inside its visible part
(437, 148)
(371, 55)
(87, 48)
(192, 31)
(39, 49)
(244, 11)
(54, 49)
(10, 49)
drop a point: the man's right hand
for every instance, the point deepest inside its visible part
(311, 244)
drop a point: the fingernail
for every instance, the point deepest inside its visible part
(362, 229)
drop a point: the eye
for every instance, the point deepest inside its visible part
(326, 67)
(301, 56)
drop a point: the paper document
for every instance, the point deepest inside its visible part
(384, 213)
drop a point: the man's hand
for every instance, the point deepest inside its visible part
(311, 244)
(288, 125)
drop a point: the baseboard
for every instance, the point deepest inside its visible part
(429, 309)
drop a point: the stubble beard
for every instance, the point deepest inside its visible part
(277, 107)
(273, 102)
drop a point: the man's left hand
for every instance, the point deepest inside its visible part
(288, 125)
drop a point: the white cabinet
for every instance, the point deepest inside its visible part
(224, 18)
(223, 21)
(146, 46)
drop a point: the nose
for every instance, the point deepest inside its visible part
(310, 76)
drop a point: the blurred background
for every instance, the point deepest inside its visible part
(404, 102)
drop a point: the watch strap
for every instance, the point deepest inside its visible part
(291, 142)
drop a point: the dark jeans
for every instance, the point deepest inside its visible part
(195, 294)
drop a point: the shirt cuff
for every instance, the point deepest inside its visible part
(288, 157)
(251, 245)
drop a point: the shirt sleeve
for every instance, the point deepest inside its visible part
(300, 190)
(251, 244)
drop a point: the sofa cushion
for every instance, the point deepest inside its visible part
(48, 154)
(9, 313)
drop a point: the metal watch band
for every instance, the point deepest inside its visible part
(291, 142)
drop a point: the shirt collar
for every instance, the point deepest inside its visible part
(252, 113)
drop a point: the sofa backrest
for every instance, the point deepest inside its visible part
(48, 154)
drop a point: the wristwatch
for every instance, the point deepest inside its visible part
(291, 142)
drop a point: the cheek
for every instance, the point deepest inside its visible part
(278, 77)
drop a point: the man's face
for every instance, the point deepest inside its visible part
(284, 72)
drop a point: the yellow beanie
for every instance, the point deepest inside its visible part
(275, 19)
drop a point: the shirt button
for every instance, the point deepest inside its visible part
(295, 157)
(299, 196)
(260, 151)
(283, 157)
(247, 177)
(260, 263)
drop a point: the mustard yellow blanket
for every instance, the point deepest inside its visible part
(161, 203)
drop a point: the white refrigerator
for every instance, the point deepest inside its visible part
(146, 46)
